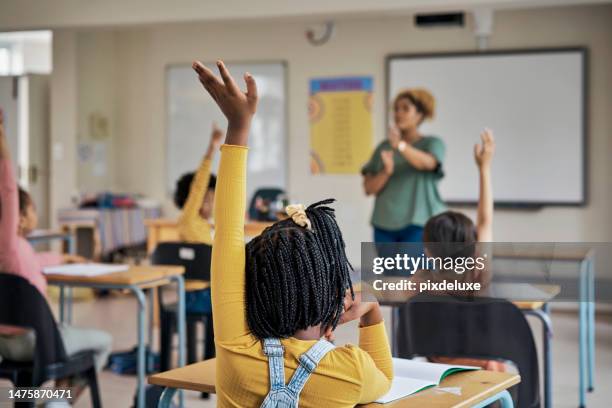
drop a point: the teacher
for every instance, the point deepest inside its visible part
(404, 171)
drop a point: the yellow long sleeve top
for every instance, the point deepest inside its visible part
(346, 376)
(191, 226)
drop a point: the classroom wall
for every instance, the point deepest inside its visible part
(96, 104)
(63, 107)
(27, 14)
(358, 48)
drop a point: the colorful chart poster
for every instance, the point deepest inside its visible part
(340, 111)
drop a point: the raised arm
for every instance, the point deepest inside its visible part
(9, 200)
(199, 186)
(228, 280)
(483, 155)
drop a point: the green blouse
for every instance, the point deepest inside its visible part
(410, 196)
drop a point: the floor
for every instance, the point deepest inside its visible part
(117, 315)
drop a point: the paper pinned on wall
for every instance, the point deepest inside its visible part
(340, 112)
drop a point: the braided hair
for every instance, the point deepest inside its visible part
(297, 278)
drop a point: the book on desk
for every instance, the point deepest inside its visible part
(411, 376)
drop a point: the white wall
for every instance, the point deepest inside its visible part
(27, 14)
(358, 48)
(96, 99)
(63, 100)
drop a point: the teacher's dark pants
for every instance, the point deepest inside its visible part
(411, 233)
(392, 244)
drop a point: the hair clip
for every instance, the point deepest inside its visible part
(297, 212)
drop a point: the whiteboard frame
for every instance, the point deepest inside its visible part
(285, 65)
(584, 54)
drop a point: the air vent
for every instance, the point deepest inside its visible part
(439, 20)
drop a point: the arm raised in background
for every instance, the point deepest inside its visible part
(228, 279)
(9, 201)
(197, 191)
(483, 155)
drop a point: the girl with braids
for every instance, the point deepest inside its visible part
(277, 301)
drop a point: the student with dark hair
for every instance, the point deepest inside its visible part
(276, 300)
(453, 226)
(17, 219)
(452, 233)
(195, 195)
(404, 171)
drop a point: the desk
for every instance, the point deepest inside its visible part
(477, 388)
(136, 279)
(42, 235)
(112, 228)
(166, 230)
(585, 258)
(532, 307)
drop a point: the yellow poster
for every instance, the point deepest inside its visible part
(340, 111)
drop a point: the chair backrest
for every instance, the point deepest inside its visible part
(269, 194)
(195, 258)
(21, 304)
(476, 327)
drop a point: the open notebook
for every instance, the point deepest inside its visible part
(413, 376)
(85, 269)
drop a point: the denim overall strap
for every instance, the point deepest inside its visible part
(308, 363)
(276, 363)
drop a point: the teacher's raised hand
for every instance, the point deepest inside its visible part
(237, 106)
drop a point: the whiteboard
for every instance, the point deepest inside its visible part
(191, 112)
(533, 100)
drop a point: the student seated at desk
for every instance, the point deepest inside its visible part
(195, 195)
(276, 301)
(17, 219)
(454, 227)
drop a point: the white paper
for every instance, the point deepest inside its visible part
(85, 269)
(411, 376)
(402, 387)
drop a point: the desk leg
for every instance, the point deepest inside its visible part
(503, 397)
(166, 398)
(394, 325)
(591, 324)
(151, 305)
(582, 339)
(180, 319)
(61, 304)
(544, 316)
(141, 369)
(69, 305)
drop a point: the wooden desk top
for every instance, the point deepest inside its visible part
(251, 228)
(195, 284)
(160, 222)
(135, 275)
(475, 386)
(398, 298)
(43, 234)
(544, 253)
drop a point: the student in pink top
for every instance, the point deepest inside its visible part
(17, 219)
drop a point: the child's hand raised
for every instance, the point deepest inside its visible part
(216, 136)
(237, 106)
(483, 153)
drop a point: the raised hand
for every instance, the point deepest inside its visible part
(4, 151)
(483, 153)
(216, 136)
(237, 106)
(387, 159)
